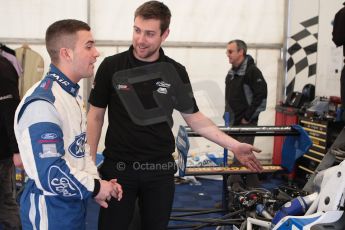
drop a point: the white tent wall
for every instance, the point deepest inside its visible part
(29, 19)
(301, 44)
(327, 58)
(330, 58)
(199, 32)
(197, 20)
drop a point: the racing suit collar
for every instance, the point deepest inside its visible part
(63, 80)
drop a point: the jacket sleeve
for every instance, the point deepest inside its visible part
(226, 109)
(41, 144)
(258, 88)
(10, 108)
(102, 85)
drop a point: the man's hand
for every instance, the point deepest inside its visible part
(104, 193)
(117, 192)
(101, 202)
(17, 161)
(244, 154)
(244, 121)
(108, 189)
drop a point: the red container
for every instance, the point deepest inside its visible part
(285, 116)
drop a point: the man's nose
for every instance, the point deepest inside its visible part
(141, 37)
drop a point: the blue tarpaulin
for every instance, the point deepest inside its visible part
(294, 147)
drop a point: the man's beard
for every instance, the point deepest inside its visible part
(147, 54)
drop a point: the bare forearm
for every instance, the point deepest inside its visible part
(206, 128)
(95, 121)
(93, 136)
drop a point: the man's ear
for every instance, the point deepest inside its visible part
(66, 54)
(241, 51)
(165, 34)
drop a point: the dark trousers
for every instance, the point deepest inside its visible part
(154, 190)
(9, 211)
(246, 139)
(250, 180)
(342, 87)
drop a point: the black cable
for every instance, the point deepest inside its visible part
(223, 217)
(192, 210)
(199, 213)
(182, 226)
(207, 220)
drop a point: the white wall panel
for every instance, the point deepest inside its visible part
(302, 39)
(30, 19)
(268, 62)
(330, 58)
(327, 58)
(197, 20)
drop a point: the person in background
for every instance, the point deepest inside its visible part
(9, 152)
(245, 96)
(50, 126)
(140, 155)
(338, 37)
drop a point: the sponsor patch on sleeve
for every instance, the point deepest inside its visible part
(49, 150)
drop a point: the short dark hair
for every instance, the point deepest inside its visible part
(155, 10)
(241, 45)
(62, 34)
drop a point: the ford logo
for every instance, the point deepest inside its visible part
(48, 136)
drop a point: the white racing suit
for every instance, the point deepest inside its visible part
(50, 127)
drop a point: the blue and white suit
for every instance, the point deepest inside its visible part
(50, 127)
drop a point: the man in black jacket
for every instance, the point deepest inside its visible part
(245, 94)
(338, 37)
(246, 89)
(139, 145)
(9, 100)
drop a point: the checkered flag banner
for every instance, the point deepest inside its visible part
(302, 50)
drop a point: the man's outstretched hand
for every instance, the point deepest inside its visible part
(245, 155)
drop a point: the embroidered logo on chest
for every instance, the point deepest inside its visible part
(77, 148)
(162, 87)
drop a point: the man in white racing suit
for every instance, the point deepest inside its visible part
(50, 127)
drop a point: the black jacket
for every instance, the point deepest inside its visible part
(245, 92)
(9, 100)
(338, 33)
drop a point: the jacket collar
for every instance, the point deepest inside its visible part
(65, 83)
(241, 70)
